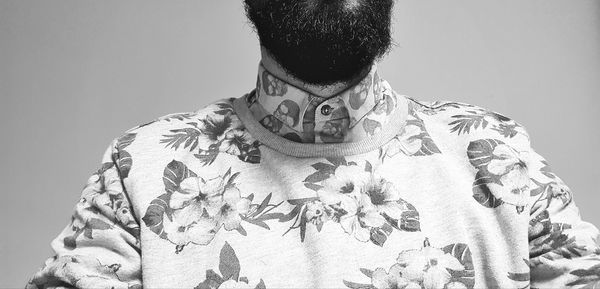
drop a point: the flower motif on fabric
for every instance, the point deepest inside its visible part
(81, 271)
(272, 86)
(360, 92)
(365, 205)
(103, 191)
(546, 191)
(502, 174)
(219, 132)
(229, 277)
(194, 209)
(414, 140)
(424, 268)
(230, 269)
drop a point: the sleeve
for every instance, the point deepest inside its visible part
(100, 247)
(564, 250)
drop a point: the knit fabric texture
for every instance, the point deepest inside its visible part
(392, 193)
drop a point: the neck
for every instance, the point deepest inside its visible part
(319, 90)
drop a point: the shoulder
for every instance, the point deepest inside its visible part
(459, 126)
(200, 135)
(219, 114)
(167, 122)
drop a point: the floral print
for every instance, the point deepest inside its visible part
(414, 140)
(218, 132)
(427, 267)
(123, 158)
(365, 205)
(102, 193)
(355, 114)
(194, 209)
(72, 269)
(203, 185)
(359, 93)
(103, 219)
(502, 174)
(552, 241)
(230, 269)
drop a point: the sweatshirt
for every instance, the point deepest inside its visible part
(281, 188)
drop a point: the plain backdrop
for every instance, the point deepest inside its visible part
(76, 74)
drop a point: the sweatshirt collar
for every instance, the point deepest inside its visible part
(356, 113)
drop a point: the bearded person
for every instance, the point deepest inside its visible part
(322, 176)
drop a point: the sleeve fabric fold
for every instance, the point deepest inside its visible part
(100, 247)
(564, 250)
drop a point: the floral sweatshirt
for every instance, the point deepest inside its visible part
(283, 189)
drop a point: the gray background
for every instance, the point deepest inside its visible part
(76, 74)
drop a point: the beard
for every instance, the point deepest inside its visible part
(323, 42)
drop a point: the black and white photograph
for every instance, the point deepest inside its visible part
(361, 144)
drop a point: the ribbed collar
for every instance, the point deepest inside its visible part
(355, 114)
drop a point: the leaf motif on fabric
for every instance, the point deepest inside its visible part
(174, 174)
(194, 209)
(462, 253)
(502, 176)
(359, 93)
(464, 123)
(482, 192)
(371, 126)
(126, 140)
(590, 277)
(426, 267)
(158, 208)
(125, 162)
(230, 269)
(479, 118)
(123, 157)
(428, 146)
(480, 152)
(186, 136)
(229, 265)
(218, 132)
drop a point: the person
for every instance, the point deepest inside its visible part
(324, 177)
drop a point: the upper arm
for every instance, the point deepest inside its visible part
(100, 246)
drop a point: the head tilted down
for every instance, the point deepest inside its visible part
(323, 42)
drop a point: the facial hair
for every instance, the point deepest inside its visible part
(323, 42)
